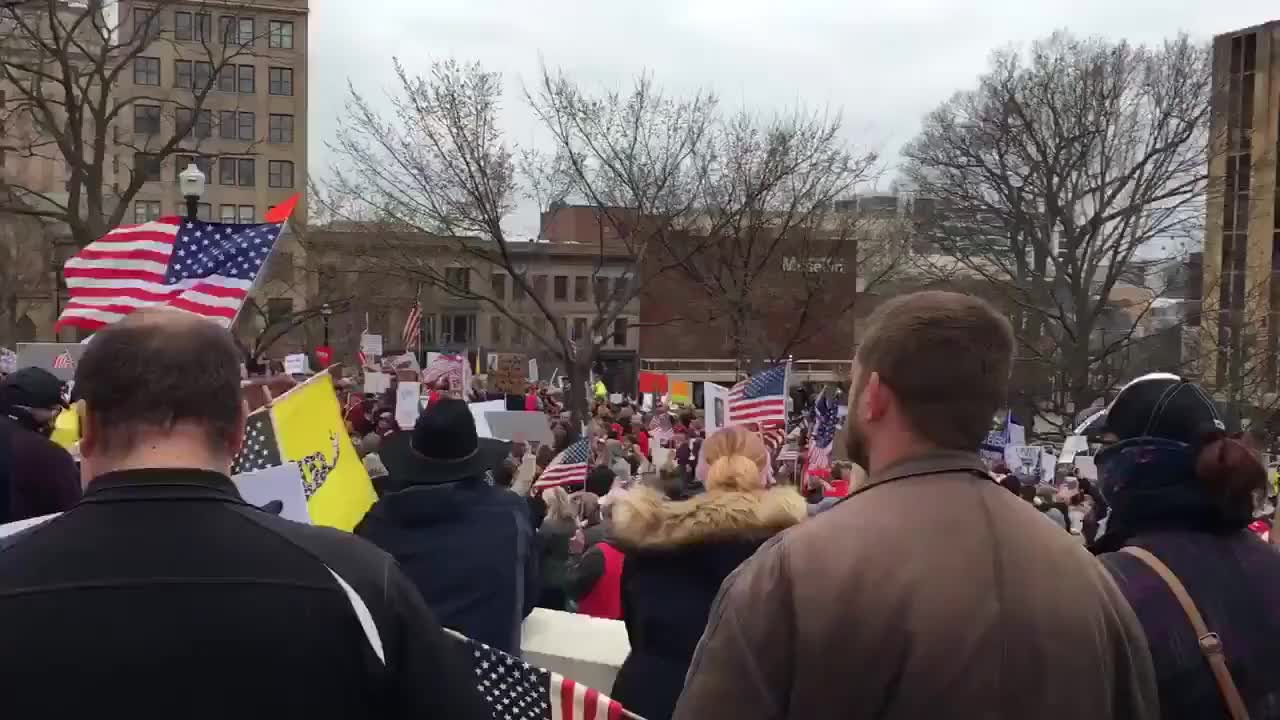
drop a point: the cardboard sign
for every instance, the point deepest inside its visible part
(406, 404)
(479, 412)
(716, 402)
(283, 483)
(508, 376)
(9, 361)
(61, 359)
(371, 345)
(296, 364)
(519, 426)
(404, 361)
(681, 392)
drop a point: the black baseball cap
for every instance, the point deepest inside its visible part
(1162, 405)
(32, 387)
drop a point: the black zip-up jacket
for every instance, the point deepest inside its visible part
(164, 594)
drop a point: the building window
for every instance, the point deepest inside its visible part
(146, 71)
(498, 281)
(429, 336)
(579, 329)
(203, 76)
(517, 290)
(146, 119)
(458, 278)
(280, 129)
(227, 78)
(248, 126)
(580, 289)
(204, 211)
(517, 334)
(281, 81)
(495, 330)
(148, 166)
(227, 213)
(560, 287)
(246, 32)
(146, 210)
(602, 289)
(458, 329)
(620, 332)
(540, 286)
(227, 124)
(280, 34)
(183, 75)
(280, 267)
(187, 26)
(246, 75)
(184, 160)
(246, 214)
(622, 288)
(146, 24)
(280, 174)
(236, 171)
(198, 125)
(182, 26)
(227, 28)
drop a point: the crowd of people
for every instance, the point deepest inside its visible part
(909, 583)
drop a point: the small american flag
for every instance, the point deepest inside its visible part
(64, 362)
(567, 468)
(824, 434)
(362, 358)
(760, 398)
(774, 435)
(412, 327)
(203, 268)
(515, 690)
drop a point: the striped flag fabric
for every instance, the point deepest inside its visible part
(761, 398)
(774, 435)
(823, 438)
(515, 690)
(201, 267)
(64, 362)
(412, 331)
(568, 468)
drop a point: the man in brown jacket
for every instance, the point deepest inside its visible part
(930, 591)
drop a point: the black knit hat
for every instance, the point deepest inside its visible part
(1165, 406)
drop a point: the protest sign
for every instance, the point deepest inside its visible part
(661, 456)
(1024, 457)
(646, 402)
(296, 364)
(519, 426)
(681, 392)
(479, 410)
(715, 400)
(615, 398)
(652, 382)
(406, 404)
(371, 345)
(1072, 446)
(403, 361)
(8, 361)
(376, 383)
(1086, 468)
(533, 370)
(508, 374)
(60, 359)
(283, 483)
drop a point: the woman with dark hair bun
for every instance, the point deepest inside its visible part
(1206, 589)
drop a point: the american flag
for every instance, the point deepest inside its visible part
(760, 398)
(567, 468)
(64, 362)
(515, 690)
(774, 435)
(824, 434)
(362, 359)
(412, 327)
(203, 268)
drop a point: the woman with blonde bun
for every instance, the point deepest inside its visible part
(678, 553)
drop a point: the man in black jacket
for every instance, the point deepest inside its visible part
(37, 477)
(164, 594)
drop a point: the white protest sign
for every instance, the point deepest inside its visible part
(1086, 468)
(371, 345)
(295, 364)
(376, 382)
(519, 426)
(716, 404)
(661, 456)
(1017, 434)
(8, 361)
(1026, 457)
(615, 398)
(646, 403)
(407, 404)
(283, 483)
(480, 409)
(533, 370)
(1073, 445)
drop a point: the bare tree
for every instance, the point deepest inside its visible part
(1057, 178)
(63, 70)
(439, 167)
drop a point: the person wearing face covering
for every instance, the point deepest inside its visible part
(1181, 494)
(37, 476)
(869, 611)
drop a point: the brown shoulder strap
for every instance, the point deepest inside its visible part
(1210, 643)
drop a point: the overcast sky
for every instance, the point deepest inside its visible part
(883, 63)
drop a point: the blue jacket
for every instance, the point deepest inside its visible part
(469, 547)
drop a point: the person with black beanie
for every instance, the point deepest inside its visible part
(1181, 495)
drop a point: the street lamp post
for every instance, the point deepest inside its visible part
(326, 312)
(192, 182)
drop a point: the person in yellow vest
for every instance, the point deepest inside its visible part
(601, 392)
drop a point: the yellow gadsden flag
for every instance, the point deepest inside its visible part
(307, 423)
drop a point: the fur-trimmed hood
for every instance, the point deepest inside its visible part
(644, 519)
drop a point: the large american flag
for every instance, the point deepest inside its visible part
(203, 268)
(567, 468)
(823, 438)
(515, 690)
(412, 328)
(761, 398)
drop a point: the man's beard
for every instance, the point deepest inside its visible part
(855, 444)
